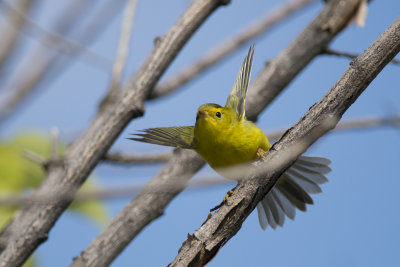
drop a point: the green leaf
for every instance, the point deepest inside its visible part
(18, 174)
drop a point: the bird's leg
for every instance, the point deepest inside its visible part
(260, 152)
(224, 201)
(228, 194)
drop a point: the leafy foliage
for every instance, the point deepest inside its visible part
(20, 175)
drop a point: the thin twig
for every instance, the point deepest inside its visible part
(11, 29)
(352, 124)
(224, 49)
(35, 157)
(54, 141)
(123, 159)
(18, 200)
(329, 51)
(122, 55)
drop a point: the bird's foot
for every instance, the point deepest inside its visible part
(224, 201)
(260, 152)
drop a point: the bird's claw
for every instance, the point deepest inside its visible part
(260, 152)
(224, 201)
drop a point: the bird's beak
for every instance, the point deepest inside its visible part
(201, 114)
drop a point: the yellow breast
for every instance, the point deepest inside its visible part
(229, 144)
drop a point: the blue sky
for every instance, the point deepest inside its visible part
(354, 222)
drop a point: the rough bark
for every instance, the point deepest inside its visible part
(142, 210)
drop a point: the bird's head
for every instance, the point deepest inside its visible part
(213, 117)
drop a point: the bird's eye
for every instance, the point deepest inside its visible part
(218, 114)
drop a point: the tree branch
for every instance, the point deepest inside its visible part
(227, 47)
(280, 71)
(329, 51)
(333, 13)
(132, 159)
(122, 54)
(204, 244)
(30, 226)
(142, 210)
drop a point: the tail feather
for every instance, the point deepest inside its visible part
(293, 191)
(283, 203)
(308, 186)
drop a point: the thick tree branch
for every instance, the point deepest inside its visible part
(227, 47)
(30, 226)
(203, 245)
(142, 210)
(190, 165)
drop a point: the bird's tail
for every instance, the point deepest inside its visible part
(293, 191)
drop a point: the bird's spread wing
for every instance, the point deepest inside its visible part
(237, 97)
(181, 137)
(293, 191)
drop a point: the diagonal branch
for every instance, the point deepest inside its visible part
(122, 55)
(30, 226)
(204, 244)
(337, 15)
(128, 223)
(224, 49)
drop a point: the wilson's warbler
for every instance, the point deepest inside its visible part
(224, 137)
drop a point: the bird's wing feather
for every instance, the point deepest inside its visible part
(237, 97)
(180, 137)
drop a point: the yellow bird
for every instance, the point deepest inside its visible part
(225, 138)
